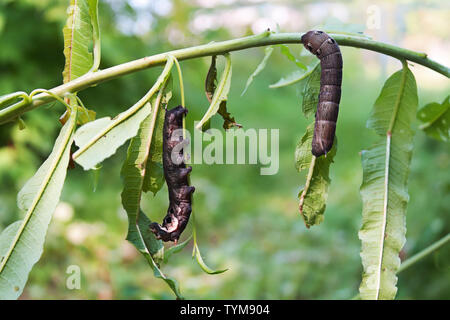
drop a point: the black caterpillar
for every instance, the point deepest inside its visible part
(327, 50)
(176, 175)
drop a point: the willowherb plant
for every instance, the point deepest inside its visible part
(385, 164)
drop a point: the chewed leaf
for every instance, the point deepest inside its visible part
(228, 119)
(221, 93)
(384, 188)
(313, 196)
(268, 52)
(22, 242)
(134, 174)
(435, 119)
(211, 78)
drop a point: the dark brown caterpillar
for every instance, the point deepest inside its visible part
(327, 50)
(176, 175)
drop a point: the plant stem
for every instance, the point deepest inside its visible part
(419, 256)
(210, 49)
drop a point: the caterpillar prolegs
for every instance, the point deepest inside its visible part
(176, 175)
(327, 50)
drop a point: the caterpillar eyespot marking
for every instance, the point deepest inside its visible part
(326, 49)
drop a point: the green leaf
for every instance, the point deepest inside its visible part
(154, 173)
(144, 240)
(288, 54)
(211, 78)
(335, 26)
(384, 188)
(296, 76)
(220, 94)
(22, 242)
(99, 139)
(175, 249)
(196, 253)
(78, 36)
(311, 92)
(93, 13)
(228, 120)
(133, 175)
(314, 194)
(435, 119)
(267, 53)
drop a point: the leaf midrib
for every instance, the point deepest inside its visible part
(38, 196)
(386, 176)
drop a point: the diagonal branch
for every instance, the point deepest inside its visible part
(214, 48)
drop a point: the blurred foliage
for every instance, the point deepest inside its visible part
(246, 222)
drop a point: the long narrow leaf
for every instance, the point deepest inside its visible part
(384, 188)
(294, 77)
(22, 243)
(133, 175)
(267, 53)
(96, 48)
(221, 93)
(77, 38)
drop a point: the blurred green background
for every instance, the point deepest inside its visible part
(246, 222)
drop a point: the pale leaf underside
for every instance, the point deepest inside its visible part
(22, 242)
(384, 188)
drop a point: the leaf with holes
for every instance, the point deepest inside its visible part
(220, 94)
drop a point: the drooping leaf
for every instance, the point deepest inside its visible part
(176, 248)
(96, 48)
(267, 53)
(133, 174)
(22, 243)
(311, 92)
(288, 54)
(99, 139)
(196, 253)
(211, 79)
(78, 36)
(220, 94)
(335, 26)
(144, 240)
(314, 194)
(295, 76)
(154, 172)
(384, 188)
(435, 119)
(228, 120)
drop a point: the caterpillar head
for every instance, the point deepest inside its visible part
(312, 40)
